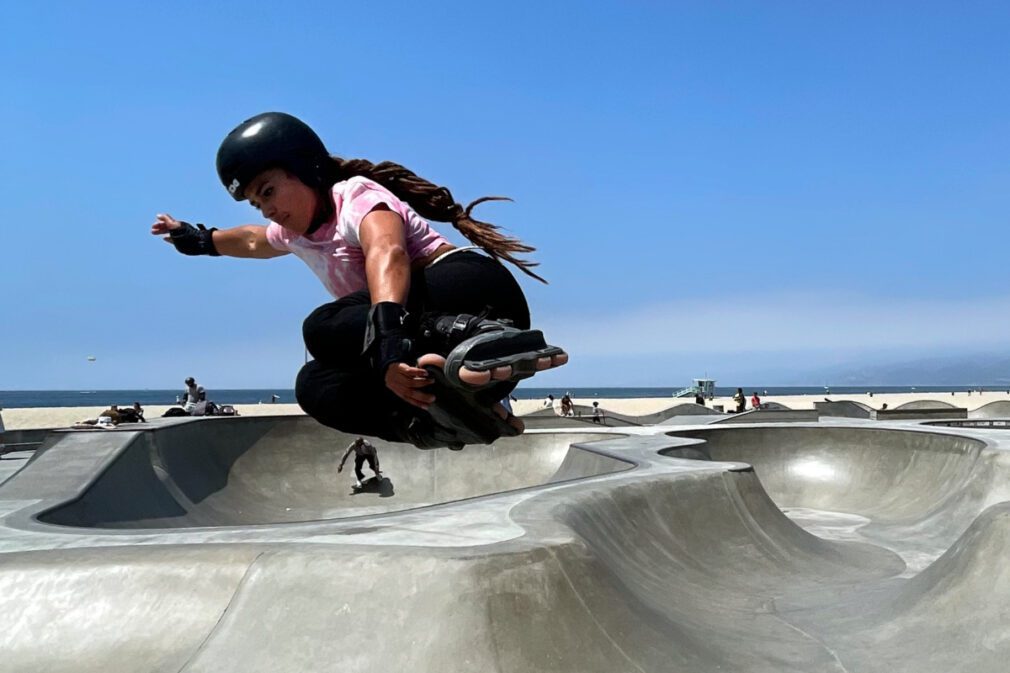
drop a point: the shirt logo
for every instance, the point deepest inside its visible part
(233, 187)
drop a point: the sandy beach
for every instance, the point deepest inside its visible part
(59, 417)
(648, 405)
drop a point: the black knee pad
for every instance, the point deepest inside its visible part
(320, 399)
(306, 389)
(311, 328)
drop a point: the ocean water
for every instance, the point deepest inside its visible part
(12, 399)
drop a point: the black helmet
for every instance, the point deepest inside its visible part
(270, 140)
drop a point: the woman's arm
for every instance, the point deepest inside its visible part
(387, 268)
(248, 240)
(387, 265)
(245, 241)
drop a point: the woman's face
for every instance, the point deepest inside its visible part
(284, 199)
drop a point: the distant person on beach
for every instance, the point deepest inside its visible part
(106, 420)
(549, 401)
(134, 414)
(597, 413)
(883, 407)
(566, 405)
(363, 451)
(740, 400)
(112, 413)
(699, 399)
(193, 395)
(416, 320)
(755, 401)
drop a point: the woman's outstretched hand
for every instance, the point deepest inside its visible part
(163, 224)
(408, 383)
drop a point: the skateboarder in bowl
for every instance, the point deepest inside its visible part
(363, 451)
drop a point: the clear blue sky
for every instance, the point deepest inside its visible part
(740, 189)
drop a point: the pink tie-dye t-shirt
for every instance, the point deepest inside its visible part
(334, 251)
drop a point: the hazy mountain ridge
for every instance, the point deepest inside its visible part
(970, 370)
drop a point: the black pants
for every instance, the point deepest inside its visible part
(339, 388)
(359, 460)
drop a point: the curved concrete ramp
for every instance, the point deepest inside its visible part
(784, 415)
(843, 409)
(279, 469)
(548, 418)
(114, 610)
(910, 491)
(998, 409)
(919, 405)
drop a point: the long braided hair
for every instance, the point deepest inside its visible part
(437, 203)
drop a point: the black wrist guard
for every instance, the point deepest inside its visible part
(190, 240)
(386, 340)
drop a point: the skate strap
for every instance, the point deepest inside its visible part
(460, 324)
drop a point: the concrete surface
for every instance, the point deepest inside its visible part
(918, 413)
(681, 414)
(13, 442)
(770, 415)
(549, 418)
(925, 404)
(844, 546)
(973, 423)
(276, 470)
(999, 409)
(843, 409)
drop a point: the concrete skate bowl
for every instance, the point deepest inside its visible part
(683, 566)
(998, 409)
(548, 418)
(708, 575)
(751, 591)
(914, 492)
(247, 471)
(921, 405)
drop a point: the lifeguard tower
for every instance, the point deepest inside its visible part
(703, 387)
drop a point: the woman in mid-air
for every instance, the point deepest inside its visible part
(424, 338)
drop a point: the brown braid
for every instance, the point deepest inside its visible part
(437, 203)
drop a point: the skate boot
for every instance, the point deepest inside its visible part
(466, 411)
(456, 418)
(463, 413)
(483, 345)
